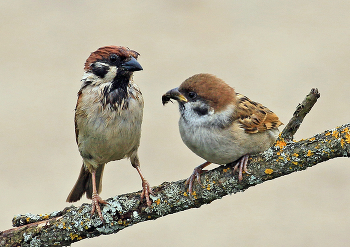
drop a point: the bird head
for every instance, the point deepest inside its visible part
(204, 99)
(109, 62)
(203, 92)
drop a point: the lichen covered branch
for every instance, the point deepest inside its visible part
(74, 223)
(302, 109)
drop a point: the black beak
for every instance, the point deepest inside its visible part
(173, 94)
(132, 65)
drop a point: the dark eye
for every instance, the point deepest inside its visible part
(113, 58)
(192, 95)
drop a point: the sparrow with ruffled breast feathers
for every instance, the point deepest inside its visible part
(220, 125)
(108, 119)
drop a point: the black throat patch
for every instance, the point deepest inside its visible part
(117, 94)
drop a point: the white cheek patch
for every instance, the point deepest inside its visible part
(192, 117)
(91, 78)
(112, 72)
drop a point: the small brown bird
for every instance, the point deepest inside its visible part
(220, 125)
(108, 118)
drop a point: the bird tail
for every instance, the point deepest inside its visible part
(84, 184)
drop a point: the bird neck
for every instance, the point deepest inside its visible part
(117, 93)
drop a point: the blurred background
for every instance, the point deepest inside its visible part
(274, 52)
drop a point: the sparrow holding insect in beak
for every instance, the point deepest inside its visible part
(220, 125)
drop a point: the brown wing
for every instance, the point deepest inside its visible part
(254, 117)
(77, 112)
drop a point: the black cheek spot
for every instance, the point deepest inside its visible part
(201, 110)
(99, 70)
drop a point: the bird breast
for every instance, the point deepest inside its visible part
(107, 133)
(222, 145)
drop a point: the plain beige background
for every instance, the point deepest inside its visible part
(272, 51)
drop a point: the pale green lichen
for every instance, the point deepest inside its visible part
(254, 180)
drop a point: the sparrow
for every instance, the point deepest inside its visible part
(108, 117)
(220, 125)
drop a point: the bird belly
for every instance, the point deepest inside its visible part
(222, 146)
(110, 135)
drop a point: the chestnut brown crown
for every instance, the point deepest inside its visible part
(210, 88)
(104, 54)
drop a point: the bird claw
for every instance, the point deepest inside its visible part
(241, 166)
(146, 191)
(196, 174)
(96, 200)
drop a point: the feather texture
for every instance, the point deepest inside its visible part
(253, 116)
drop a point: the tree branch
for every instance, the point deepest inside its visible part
(74, 223)
(299, 115)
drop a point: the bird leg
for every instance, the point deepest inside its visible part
(96, 199)
(146, 188)
(196, 174)
(241, 166)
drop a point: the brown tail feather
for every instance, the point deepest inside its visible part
(84, 184)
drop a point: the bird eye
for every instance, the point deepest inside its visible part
(192, 95)
(113, 58)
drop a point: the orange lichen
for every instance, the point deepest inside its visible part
(296, 155)
(225, 169)
(281, 144)
(268, 171)
(185, 194)
(294, 163)
(347, 137)
(157, 201)
(309, 153)
(194, 194)
(73, 236)
(312, 139)
(328, 133)
(346, 131)
(335, 134)
(208, 187)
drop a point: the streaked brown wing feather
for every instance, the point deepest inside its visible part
(254, 117)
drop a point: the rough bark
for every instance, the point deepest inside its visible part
(61, 228)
